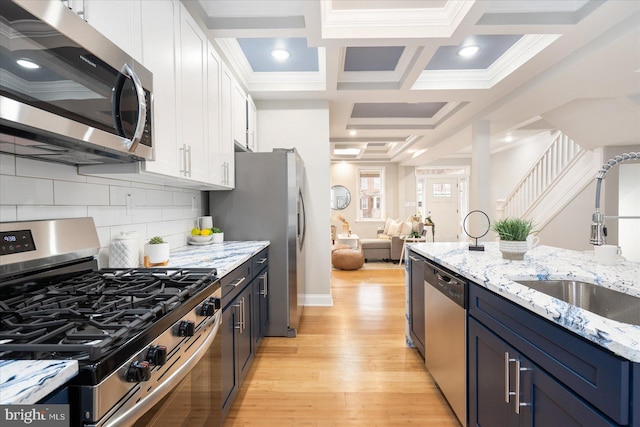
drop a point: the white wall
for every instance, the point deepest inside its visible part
(305, 126)
(33, 190)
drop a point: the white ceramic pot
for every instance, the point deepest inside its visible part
(218, 237)
(513, 249)
(123, 251)
(158, 253)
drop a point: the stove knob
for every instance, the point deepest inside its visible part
(216, 302)
(157, 355)
(209, 307)
(186, 328)
(138, 371)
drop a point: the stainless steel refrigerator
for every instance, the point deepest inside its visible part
(268, 204)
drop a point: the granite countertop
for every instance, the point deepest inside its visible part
(490, 270)
(28, 381)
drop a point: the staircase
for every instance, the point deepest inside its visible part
(559, 174)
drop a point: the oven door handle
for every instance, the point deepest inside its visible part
(140, 408)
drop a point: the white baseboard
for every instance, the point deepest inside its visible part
(322, 300)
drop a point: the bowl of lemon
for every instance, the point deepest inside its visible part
(201, 236)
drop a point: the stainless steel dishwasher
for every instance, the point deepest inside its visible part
(446, 335)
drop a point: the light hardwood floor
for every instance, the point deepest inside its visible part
(348, 366)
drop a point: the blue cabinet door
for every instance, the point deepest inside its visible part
(507, 389)
(229, 366)
(244, 333)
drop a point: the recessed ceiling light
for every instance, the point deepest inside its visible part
(280, 54)
(346, 151)
(419, 153)
(508, 138)
(25, 63)
(353, 132)
(468, 51)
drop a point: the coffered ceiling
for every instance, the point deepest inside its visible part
(398, 90)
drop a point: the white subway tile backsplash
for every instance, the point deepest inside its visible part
(36, 169)
(109, 215)
(159, 197)
(8, 213)
(17, 190)
(30, 213)
(7, 165)
(118, 195)
(74, 193)
(32, 190)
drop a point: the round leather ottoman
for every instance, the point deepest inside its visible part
(347, 259)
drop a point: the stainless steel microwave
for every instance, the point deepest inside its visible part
(67, 93)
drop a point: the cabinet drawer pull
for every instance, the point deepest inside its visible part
(262, 261)
(507, 363)
(237, 282)
(414, 258)
(264, 292)
(238, 325)
(519, 371)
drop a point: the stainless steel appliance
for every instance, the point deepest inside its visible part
(67, 92)
(445, 347)
(268, 204)
(145, 339)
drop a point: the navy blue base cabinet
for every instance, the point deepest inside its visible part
(527, 371)
(245, 316)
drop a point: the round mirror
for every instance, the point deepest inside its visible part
(340, 197)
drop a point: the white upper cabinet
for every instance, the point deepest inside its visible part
(192, 98)
(252, 124)
(217, 162)
(239, 114)
(118, 21)
(159, 28)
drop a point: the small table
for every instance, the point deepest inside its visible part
(406, 239)
(352, 240)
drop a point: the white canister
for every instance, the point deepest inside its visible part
(124, 251)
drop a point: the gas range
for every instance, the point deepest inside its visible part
(125, 327)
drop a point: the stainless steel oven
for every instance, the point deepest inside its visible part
(70, 94)
(147, 340)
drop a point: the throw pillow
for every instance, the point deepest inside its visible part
(387, 224)
(405, 229)
(394, 228)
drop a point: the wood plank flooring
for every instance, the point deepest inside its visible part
(348, 366)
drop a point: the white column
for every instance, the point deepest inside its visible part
(480, 182)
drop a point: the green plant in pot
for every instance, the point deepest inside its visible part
(513, 234)
(218, 235)
(156, 252)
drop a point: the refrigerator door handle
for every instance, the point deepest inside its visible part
(302, 228)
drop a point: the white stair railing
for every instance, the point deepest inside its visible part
(550, 167)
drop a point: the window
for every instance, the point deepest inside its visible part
(371, 194)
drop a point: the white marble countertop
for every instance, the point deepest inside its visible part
(28, 381)
(223, 256)
(489, 269)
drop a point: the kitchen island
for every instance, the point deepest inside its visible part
(27, 382)
(532, 359)
(490, 270)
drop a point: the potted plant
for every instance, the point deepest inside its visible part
(513, 234)
(156, 252)
(218, 235)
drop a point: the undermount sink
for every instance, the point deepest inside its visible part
(602, 301)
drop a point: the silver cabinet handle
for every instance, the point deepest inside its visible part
(264, 291)
(519, 371)
(414, 259)
(244, 310)
(239, 324)
(184, 159)
(262, 260)
(237, 282)
(507, 363)
(189, 157)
